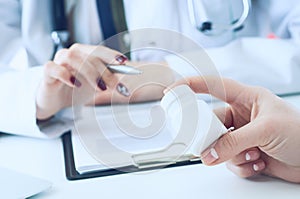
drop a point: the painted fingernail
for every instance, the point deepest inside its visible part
(210, 157)
(75, 81)
(247, 157)
(121, 59)
(101, 84)
(255, 167)
(123, 90)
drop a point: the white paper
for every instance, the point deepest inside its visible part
(139, 115)
(180, 119)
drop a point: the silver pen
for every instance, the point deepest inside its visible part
(124, 69)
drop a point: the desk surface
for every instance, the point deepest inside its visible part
(44, 159)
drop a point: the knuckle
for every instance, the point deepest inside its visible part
(101, 47)
(55, 71)
(70, 54)
(106, 54)
(48, 65)
(62, 73)
(64, 56)
(110, 78)
(60, 53)
(229, 142)
(109, 75)
(75, 46)
(95, 61)
(89, 73)
(261, 90)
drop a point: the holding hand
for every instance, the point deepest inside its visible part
(80, 66)
(79, 75)
(266, 138)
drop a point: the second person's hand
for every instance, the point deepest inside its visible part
(267, 135)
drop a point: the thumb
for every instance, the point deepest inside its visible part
(231, 144)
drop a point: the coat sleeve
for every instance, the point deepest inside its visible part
(18, 88)
(18, 107)
(10, 28)
(271, 63)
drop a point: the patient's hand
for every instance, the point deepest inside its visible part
(267, 135)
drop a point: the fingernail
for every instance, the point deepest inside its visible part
(123, 90)
(121, 59)
(255, 167)
(75, 81)
(210, 156)
(101, 84)
(214, 153)
(165, 91)
(247, 157)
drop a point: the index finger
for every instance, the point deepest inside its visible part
(107, 55)
(222, 88)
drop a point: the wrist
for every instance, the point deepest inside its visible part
(42, 114)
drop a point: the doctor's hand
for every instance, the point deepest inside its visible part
(80, 69)
(147, 86)
(266, 138)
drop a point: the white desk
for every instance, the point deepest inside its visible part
(44, 159)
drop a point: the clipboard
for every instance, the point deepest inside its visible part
(199, 127)
(73, 174)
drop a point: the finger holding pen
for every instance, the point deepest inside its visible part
(91, 67)
(55, 74)
(107, 71)
(55, 90)
(79, 67)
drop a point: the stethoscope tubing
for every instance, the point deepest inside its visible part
(233, 26)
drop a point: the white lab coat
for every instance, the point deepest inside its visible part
(25, 42)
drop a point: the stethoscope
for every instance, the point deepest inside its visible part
(60, 34)
(197, 14)
(200, 20)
